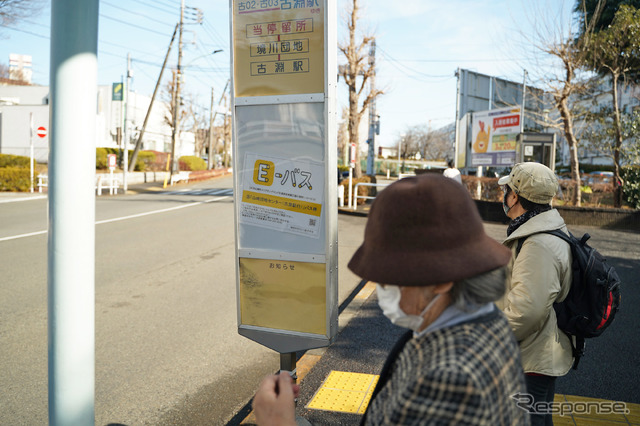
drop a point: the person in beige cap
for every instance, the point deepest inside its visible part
(540, 276)
(439, 274)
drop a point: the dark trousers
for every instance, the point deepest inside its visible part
(543, 389)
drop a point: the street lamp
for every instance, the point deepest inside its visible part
(202, 56)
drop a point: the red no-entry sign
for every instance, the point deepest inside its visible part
(41, 132)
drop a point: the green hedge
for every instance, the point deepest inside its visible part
(631, 187)
(8, 160)
(192, 163)
(15, 179)
(143, 159)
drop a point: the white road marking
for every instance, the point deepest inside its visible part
(15, 200)
(117, 219)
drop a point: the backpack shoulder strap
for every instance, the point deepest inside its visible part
(558, 233)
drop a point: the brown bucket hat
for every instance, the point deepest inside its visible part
(423, 231)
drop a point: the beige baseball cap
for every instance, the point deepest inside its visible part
(533, 181)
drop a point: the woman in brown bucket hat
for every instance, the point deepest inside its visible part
(438, 274)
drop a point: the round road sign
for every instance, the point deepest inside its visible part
(41, 132)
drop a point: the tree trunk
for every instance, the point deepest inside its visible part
(354, 127)
(617, 187)
(567, 120)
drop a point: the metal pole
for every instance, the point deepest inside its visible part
(210, 155)
(126, 136)
(30, 152)
(456, 147)
(524, 93)
(288, 363)
(176, 98)
(371, 154)
(400, 155)
(71, 243)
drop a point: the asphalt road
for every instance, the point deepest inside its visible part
(166, 331)
(167, 348)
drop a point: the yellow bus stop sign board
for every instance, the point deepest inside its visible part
(278, 47)
(283, 295)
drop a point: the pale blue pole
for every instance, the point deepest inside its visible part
(71, 245)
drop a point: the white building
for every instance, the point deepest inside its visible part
(22, 105)
(629, 100)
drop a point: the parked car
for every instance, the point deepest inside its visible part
(600, 177)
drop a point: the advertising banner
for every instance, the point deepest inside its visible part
(278, 47)
(283, 194)
(493, 137)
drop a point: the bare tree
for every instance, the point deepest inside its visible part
(615, 52)
(355, 52)
(343, 137)
(12, 11)
(197, 122)
(14, 78)
(431, 144)
(565, 83)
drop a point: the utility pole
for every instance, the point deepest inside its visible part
(524, 93)
(134, 156)
(215, 114)
(126, 136)
(210, 153)
(226, 133)
(176, 96)
(373, 124)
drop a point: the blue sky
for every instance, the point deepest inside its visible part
(420, 44)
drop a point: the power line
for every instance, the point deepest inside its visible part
(138, 14)
(132, 25)
(399, 64)
(156, 8)
(25, 31)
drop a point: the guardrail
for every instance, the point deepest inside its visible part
(367, 197)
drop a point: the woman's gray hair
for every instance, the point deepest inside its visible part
(479, 290)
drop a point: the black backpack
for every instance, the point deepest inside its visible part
(594, 297)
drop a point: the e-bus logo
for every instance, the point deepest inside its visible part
(263, 172)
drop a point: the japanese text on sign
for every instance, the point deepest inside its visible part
(264, 5)
(282, 194)
(278, 47)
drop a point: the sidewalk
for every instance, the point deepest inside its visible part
(337, 382)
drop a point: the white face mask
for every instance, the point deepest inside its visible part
(389, 302)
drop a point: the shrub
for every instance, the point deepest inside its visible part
(101, 158)
(362, 190)
(8, 160)
(14, 179)
(489, 188)
(192, 163)
(145, 160)
(631, 187)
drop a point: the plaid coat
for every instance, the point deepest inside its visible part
(461, 375)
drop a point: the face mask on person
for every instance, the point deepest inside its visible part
(505, 206)
(389, 302)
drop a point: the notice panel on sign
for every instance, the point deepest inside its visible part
(284, 295)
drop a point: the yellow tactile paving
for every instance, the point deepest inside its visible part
(344, 392)
(592, 411)
(634, 416)
(366, 291)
